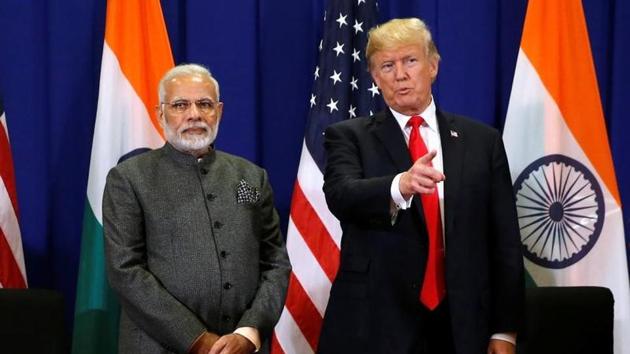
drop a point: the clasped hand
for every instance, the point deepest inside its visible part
(421, 178)
(210, 343)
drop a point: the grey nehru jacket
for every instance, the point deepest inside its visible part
(192, 245)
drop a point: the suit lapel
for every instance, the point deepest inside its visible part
(388, 132)
(452, 140)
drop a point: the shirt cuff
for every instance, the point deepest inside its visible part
(250, 333)
(397, 198)
(504, 337)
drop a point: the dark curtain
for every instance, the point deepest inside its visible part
(263, 53)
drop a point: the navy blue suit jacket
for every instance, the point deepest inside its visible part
(374, 305)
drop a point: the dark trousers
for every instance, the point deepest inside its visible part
(437, 330)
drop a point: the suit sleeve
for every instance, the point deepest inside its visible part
(506, 263)
(350, 194)
(274, 268)
(143, 298)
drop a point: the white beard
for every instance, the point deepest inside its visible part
(191, 143)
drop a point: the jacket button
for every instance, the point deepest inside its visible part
(204, 171)
(218, 225)
(227, 286)
(211, 196)
(223, 254)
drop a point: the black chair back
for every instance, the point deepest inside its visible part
(31, 321)
(567, 320)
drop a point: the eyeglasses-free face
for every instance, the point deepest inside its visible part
(404, 74)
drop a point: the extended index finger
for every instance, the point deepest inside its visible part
(428, 157)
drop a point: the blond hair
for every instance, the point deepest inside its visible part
(400, 32)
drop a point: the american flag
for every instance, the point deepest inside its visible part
(12, 271)
(342, 89)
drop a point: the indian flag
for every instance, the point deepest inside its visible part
(136, 53)
(564, 179)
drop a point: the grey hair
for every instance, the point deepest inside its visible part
(186, 70)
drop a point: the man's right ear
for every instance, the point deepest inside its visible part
(159, 113)
(376, 79)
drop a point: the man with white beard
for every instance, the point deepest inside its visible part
(192, 240)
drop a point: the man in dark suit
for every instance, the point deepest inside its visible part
(193, 245)
(430, 256)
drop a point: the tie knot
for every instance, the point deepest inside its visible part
(415, 122)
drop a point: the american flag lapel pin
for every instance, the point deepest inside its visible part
(454, 134)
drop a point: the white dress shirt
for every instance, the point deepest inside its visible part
(430, 133)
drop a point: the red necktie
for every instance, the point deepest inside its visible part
(433, 288)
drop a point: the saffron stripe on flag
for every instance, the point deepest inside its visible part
(571, 83)
(556, 140)
(122, 125)
(136, 53)
(143, 67)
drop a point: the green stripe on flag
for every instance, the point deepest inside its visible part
(97, 310)
(529, 281)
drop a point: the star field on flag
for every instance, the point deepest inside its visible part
(342, 89)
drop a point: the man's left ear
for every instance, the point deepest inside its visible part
(435, 64)
(219, 111)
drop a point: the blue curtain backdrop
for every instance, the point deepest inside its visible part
(263, 53)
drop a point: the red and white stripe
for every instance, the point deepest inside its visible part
(12, 270)
(313, 240)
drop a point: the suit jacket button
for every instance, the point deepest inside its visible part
(203, 171)
(415, 286)
(211, 196)
(227, 286)
(223, 254)
(217, 224)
